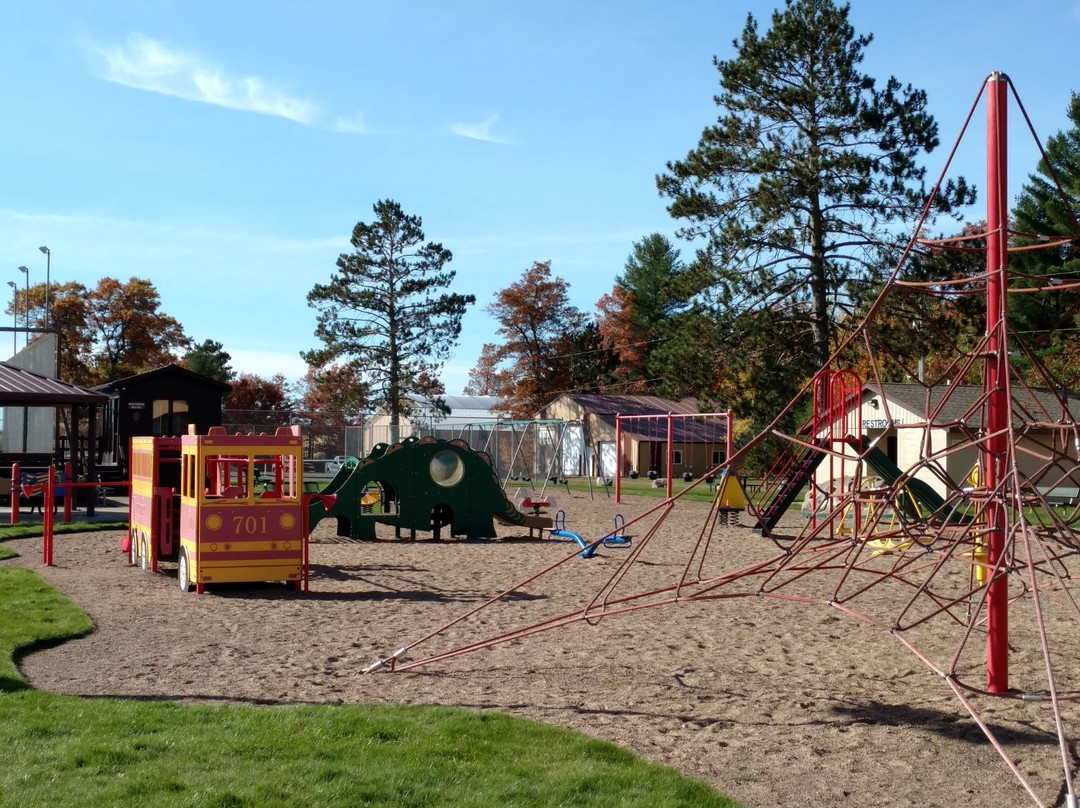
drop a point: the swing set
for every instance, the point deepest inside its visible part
(527, 451)
(659, 433)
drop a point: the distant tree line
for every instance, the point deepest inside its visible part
(796, 202)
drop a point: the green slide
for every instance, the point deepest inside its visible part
(919, 499)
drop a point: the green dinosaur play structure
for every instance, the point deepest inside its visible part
(421, 484)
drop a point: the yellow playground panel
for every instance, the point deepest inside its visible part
(730, 498)
(225, 508)
(230, 529)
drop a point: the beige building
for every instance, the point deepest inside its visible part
(907, 425)
(698, 445)
(425, 419)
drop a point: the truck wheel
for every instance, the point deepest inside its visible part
(144, 550)
(133, 548)
(183, 574)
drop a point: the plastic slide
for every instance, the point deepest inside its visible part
(924, 500)
(341, 476)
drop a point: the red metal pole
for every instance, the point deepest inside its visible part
(670, 450)
(618, 459)
(47, 515)
(16, 491)
(997, 417)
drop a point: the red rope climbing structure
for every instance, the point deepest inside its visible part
(966, 571)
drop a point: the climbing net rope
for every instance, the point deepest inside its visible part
(937, 554)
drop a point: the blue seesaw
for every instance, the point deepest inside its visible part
(588, 548)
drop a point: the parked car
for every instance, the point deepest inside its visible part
(334, 466)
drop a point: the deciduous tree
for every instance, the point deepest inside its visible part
(384, 315)
(335, 388)
(130, 332)
(257, 402)
(111, 331)
(539, 328)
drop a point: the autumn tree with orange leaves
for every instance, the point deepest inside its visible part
(109, 332)
(542, 344)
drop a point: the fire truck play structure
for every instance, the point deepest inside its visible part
(196, 500)
(978, 582)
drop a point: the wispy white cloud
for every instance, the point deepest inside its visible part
(149, 64)
(353, 125)
(479, 131)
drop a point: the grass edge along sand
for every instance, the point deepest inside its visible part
(70, 751)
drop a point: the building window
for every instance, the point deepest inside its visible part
(170, 416)
(716, 457)
(676, 457)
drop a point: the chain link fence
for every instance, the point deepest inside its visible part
(326, 434)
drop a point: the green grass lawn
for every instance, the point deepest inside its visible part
(67, 751)
(641, 487)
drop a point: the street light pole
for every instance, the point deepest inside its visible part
(14, 315)
(48, 272)
(26, 272)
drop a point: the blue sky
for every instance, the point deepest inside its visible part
(226, 150)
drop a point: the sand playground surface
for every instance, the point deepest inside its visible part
(774, 703)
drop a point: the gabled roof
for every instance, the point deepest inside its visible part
(167, 370)
(598, 404)
(463, 410)
(952, 404)
(24, 388)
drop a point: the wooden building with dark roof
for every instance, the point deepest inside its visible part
(163, 401)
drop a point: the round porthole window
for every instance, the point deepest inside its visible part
(446, 469)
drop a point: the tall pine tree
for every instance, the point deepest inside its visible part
(1043, 210)
(383, 313)
(630, 318)
(799, 187)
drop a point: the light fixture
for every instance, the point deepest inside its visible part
(14, 315)
(48, 272)
(26, 272)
